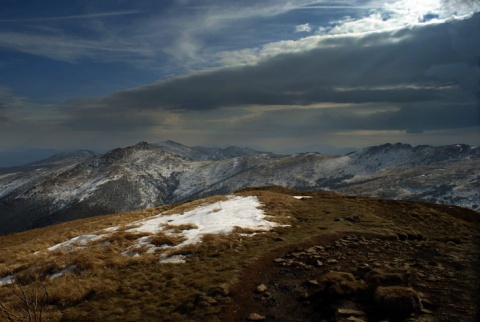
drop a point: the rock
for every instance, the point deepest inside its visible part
(255, 317)
(350, 312)
(220, 291)
(335, 277)
(279, 260)
(300, 293)
(298, 254)
(313, 282)
(364, 267)
(319, 263)
(397, 301)
(341, 284)
(205, 300)
(262, 288)
(427, 303)
(355, 319)
(320, 248)
(425, 311)
(379, 278)
(267, 295)
(348, 289)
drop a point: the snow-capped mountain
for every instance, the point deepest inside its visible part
(145, 175)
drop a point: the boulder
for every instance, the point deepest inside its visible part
(333, 277)
(341, 284)
(378, 277)
(397, 301)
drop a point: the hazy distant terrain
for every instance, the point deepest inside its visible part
(83, 184)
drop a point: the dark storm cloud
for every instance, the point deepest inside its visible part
(424, 72)
(415, 118)
(101, 119)
(377, 60)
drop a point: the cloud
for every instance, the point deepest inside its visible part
(70, 49)
(8, 104)
(108, 120)
(371, 78)
(102, 36)
(403, 13)
(340, 69)
(411, 81)
(303, 28)
(74, 17)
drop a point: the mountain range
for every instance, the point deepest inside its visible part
(82, 184)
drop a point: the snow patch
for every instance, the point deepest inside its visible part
(175, 259)
(302, 197)
(220, 217)
(67, 270)
(80, 240)
(7, 280)
(217, 218)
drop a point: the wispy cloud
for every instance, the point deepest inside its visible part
(75, 17)
(69, 48)
(303, 28)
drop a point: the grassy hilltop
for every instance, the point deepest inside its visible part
(323, 256)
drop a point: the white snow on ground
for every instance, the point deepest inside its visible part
(220, 217)
(67, 270)
(80, 240)
(302, 197)
(175, 259)
(7, 280)
(217, 218)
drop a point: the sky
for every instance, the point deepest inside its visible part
(277, 75)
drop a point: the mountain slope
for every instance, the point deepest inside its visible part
(142, 266)
(148, 175)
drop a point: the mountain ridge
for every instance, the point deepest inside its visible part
(148, 175)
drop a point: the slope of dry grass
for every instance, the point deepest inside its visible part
(102, 284)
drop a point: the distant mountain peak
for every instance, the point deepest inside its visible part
(142, 144)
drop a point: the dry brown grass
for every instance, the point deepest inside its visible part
(177, 229)
(182, 208)
(163, 239)
(108, 286)
(27, 302)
